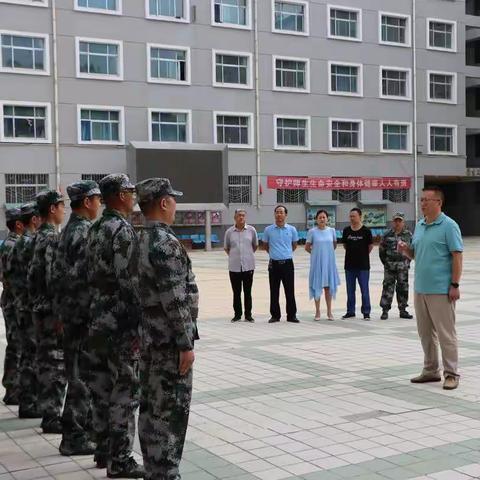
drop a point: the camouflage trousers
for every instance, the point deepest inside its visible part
(77, 413)
(114, 386)
(11, 375)
(395, 279)
(164, 410)
(28, 380)
(51, 367)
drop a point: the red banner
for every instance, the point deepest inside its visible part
(339, 183)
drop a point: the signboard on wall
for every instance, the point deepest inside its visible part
(374, 217)
(312, 211)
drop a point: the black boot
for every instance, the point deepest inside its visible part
(128, 469)
(384, 315)
(69, 449)
(52, 425)
(405, 314)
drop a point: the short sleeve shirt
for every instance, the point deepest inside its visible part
(433, 244)
(280, 241)
(241, 245)
(357, 242)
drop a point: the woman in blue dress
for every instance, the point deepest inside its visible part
(321, 244)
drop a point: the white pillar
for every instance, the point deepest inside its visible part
(208, 230)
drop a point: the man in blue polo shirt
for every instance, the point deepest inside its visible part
(281, 240)
(437, 248)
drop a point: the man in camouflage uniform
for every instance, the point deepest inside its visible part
(51, 368)
(72, 304)
(112, 256)
(18, 263)
(169, 298)
(396, 267)
(12, 352)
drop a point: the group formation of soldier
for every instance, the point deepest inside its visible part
(101, 319)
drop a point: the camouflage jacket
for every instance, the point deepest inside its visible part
(18, 263)
(72, 298)
(7, 299)
(388, 247)
(168, 289)
(112, 262)
(41, 268)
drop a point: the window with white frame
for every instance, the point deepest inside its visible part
(346, 196)
(24, 53)
(171, 10)
(442, 87)
(168, 64)
(292, 133)
(291, 196)
(394, 29)
(103, 125)
(31, 3)
(290, 17)
(441, 34)
(395, 137)
(100, 6)
(170, 126)
(240, 189)
(345, 23)
(442, 139)
(395, 83)
(96, 177)
(291, 74)
(232, 69)
(231, 13)
(233, 129)
(25, 122)
(346, 134)
(101, 59)
(396, 196)
(23, 187)
(345, 79)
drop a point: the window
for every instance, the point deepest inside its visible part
(99, 59)
(170, 126)
(240, 189)
(395, 83)
(292, 132)
(395, 137)
(232, 69)
(31, 3)
(441, 35)
(396, 196)
(24, 53)
(345, 23)
(231, 13)
(23, 187)
(290, 16)
(25, 122)
(394, 29)
(291, 196)
(96, 177)
(346, 134)
(100, 125)
(443, 139)
(100, 6)
(291, 74)
(169, 10)
(442, 87)
(233, 129)
(346, 196)
(168, 64)
(345, 79)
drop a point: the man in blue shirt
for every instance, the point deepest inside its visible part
(280, 242)
(437, 248)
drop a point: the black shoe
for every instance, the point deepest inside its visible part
(29, 413)
(384, 315)
(52, 425)
(349, 315)
(129, 469)
(10, 399)
(249, 318)
(293, 320)
(236, 319)
(366, 317)
(84, 448)
(101, 460)
(405, 314)
(273, 320)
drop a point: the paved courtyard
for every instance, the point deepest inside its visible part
(318, 400)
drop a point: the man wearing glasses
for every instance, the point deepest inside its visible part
(437, 248)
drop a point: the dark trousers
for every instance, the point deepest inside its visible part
(239, 280)
(282, 271)
(363, 277)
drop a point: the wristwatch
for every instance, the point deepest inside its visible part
(455, 285)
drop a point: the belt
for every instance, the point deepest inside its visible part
(282, 262)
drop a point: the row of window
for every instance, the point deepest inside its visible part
(105, 125)
(288, 16)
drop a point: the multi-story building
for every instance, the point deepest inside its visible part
(354, 88)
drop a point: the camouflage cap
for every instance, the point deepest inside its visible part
(82, 189)
(12, 214)
(151, 188)
(48, 197)
(399, 215)
(115, 183)
(29, 208)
